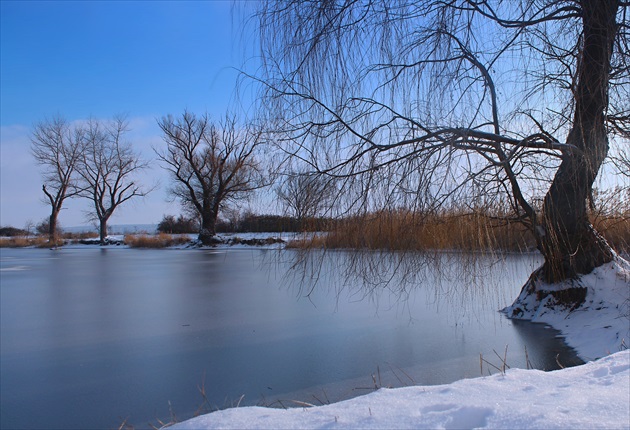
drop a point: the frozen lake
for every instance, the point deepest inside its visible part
(93, 336)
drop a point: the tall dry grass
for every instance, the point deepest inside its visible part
(616, 230)
(402, 230)
(161, 240)
(28, 241)
(405, 230)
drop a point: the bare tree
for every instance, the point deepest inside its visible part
(305, 195)
(57, 147)
(211, 165)
(426, 101)
(107, 169)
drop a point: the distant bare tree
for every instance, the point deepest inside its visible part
(29, 226)
(107, 168)
(57, 147)
(429, 101)
(211, 165)
(305, 195)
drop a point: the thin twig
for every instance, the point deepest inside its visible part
(481, 364)
(240, 400)
(527, 362)
(558, 361)
(305, 404)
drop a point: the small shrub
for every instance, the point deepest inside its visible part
(43, 228)
(180, 225)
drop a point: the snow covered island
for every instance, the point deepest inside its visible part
(593, 395)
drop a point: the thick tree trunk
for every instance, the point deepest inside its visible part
(568, 241)
(52, 226)
(208, 228)
(103, 230)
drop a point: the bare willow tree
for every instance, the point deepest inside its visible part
(305, 195)
(426, 101)
(211, 164)
(57, 147)
(622, 161)
(107, 168)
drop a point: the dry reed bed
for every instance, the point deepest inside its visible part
(41, 241)
(23, 242)
(466, 232)
(616, 230)
(161, 240)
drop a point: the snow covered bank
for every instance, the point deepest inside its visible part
(598, 326)
(594, 395)
(223, 241)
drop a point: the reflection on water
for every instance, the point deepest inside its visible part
(92, 337)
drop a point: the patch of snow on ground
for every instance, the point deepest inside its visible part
(599, 326)
(594, 395)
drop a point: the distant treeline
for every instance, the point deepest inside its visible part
(273, 224)
(246, 223)
(12, 232)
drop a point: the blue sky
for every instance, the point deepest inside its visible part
(97, 59)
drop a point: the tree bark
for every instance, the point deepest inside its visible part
(569, 243)
(52, 226)
(208, 228)
(103, 230)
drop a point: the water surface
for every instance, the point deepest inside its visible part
(91, 337)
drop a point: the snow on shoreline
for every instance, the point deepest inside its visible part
(599, 326)
(224, 240)
(593, 395)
